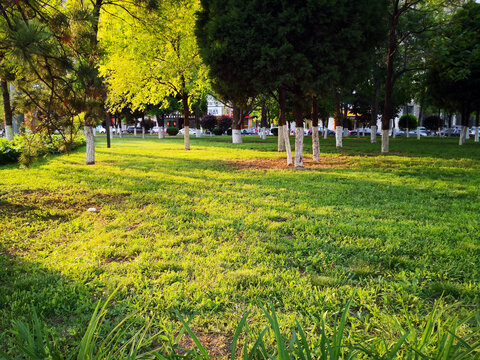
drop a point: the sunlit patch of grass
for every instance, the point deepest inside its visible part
(187, 231)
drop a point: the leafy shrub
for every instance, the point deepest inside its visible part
(274, 131)
(433, 122)
(408, 121)
(217, 131)
(9, 152)
(172, 130)
(224, 123)
(27, 148)
(209, 122)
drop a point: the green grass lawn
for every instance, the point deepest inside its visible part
(208, 231)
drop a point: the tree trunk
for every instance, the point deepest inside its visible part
(236, 125)
(135, 130)
(263, 121)
(373, 134)
(389, 80)
(315, 139)
(143, 132)
(198, 131)
(186, 116)
(160, 124)
(385, 141)
(298, 112)
(339, 120)
(407, 134)
(463, 135)
(90, 140)
(325, 129)
(476, 125)
(281, 119)
(7, 109)
(464, 122)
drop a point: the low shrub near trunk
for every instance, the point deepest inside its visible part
(172, 130)
(27, 148)
(217, 131)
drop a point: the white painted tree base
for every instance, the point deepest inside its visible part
(9, 132)
(143, 133)
(263, 131)
(198, 133)
(476, 134)
(161, 134)
(135, 131)
(299, 147)
(315, 144)
(385, 141)
(418, 134)
(325, 133)
(281, 139)
(236, 136)
(90, 142)
(288, 148)
(373, 134)
(186, 137)
(119, 132)
(338, 136)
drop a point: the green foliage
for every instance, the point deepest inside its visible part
(172, 130)
(437, 340)
(408, 121)
(217, 131)
(27, 148)
(9, 151)
(433, 122)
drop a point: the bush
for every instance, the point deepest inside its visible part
(172, 130)
(209, 122)
(408, 121)
(217, 131)
(9, 152)
(224, 123)
(27, 148)
(433, 122)
(274, 131)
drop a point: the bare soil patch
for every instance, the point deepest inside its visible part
(326, 162)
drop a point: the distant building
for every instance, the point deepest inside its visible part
(217, 108)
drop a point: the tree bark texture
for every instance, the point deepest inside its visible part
(281, 119)
(186, 116)
(90, 140)
(236, 125)
(373, 134)
(385, 141)
(298, 113)
(315, 139)
(7, 109)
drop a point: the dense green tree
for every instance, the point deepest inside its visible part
(454, 75)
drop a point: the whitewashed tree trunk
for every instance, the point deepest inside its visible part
(281, 139)
(373, 134)
(467, 133)
(111, 132)
(9, 132)
(345, 132)
(161, 132)
(315, 144)
(385, 141)
(288, 148)
(236, 136)
(90, 140)
(463, 135)
(476, 134)
(198, 133)
(119, 130)
(363, 131)
(299, 147)
(418, 133)
(440, 132)
(135, 131)
(338, 136)
(186, 137)
(143, 133)
(264, 133)
(94, 132)
(325, 132)
(358, 132)
(407, 134)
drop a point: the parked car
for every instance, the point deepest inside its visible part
(131, 129)
(247, 132)
(414, 132)
(100, 129)
(191, 131)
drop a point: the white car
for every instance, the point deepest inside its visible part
(100, 129)
(191, 131)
